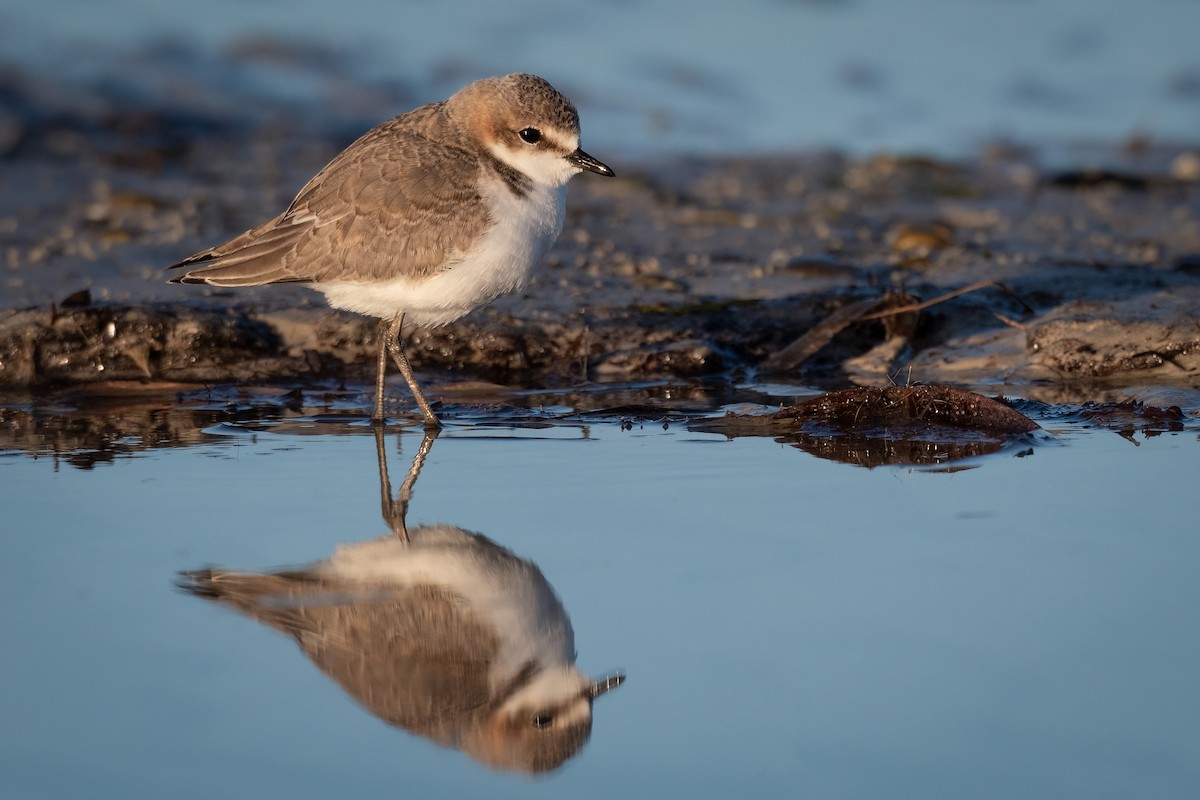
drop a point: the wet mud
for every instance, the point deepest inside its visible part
(929, 426)
(870, 427)
(1009, 268)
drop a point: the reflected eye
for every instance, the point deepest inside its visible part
(543, 720)
(530, 135)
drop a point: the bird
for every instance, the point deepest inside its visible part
(423, 219)
(442, 632)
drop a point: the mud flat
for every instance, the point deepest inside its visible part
(1082, 266)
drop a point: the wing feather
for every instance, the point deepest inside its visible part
(414, 656)
(401, 201)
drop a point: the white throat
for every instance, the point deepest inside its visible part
(544, 167)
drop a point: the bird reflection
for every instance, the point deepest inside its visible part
(435, 629)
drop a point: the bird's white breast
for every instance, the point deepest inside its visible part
(510, 595)
(500, 261)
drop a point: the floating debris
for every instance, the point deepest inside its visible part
(895, 425)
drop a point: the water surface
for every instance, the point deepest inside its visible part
(788, 624)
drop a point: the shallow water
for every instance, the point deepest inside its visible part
(1018, 624)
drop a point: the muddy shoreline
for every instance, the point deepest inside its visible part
(679, 268)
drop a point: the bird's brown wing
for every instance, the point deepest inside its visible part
(415, 656)
(400, 201)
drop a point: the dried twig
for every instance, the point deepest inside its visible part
(1009, 321)
(927, 303)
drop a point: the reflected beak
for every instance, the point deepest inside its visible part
(608, 682)
(584, 161)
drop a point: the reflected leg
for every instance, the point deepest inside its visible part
(395, 510)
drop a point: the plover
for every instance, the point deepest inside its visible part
(425, 218)
(444, 633)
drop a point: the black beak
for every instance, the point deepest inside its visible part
(609, 682)
(584, 161)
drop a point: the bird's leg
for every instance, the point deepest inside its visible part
(385, 333)
(395, 346)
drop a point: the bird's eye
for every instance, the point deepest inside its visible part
(543, 720)
(530, 135)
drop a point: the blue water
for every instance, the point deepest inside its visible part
(713, 77)
(789, 625)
